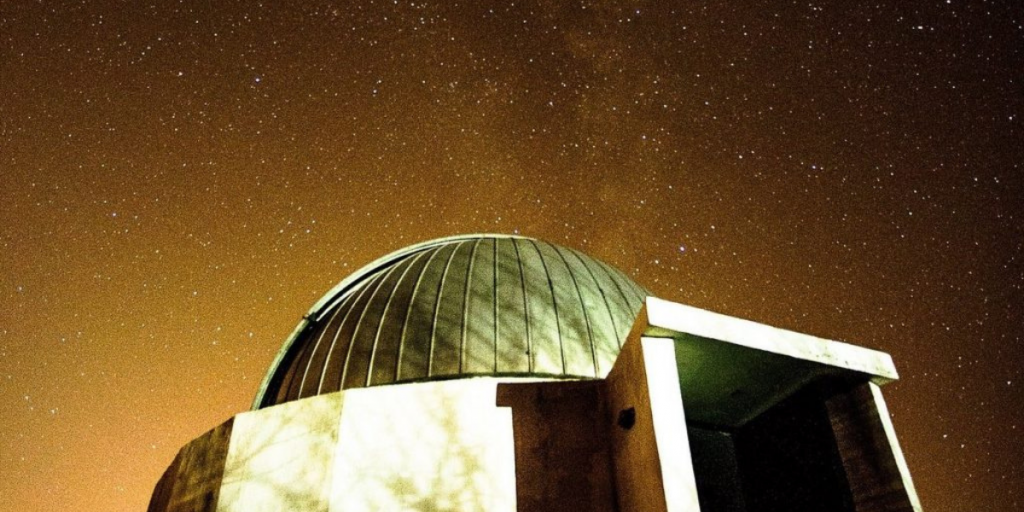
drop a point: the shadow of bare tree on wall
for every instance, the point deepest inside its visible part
(428, 447)
(449, 485)
(432, 447)
(281, 456)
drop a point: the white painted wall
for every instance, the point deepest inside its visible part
(434, 446)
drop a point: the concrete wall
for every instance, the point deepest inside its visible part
(280, 457)
(438, 446)
(874, 463)
(563, 458)
(471, 444)
(193, 481)
(650, 449)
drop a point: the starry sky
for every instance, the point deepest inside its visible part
(181, 181)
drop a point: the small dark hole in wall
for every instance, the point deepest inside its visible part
(627, 418)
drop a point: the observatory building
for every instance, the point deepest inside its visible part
(500, 373)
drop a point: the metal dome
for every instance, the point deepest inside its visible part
(460, 306)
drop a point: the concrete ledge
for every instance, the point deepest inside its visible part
(671, 319)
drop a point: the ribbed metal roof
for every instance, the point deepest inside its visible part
(459, 306)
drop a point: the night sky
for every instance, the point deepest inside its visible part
(180, 182)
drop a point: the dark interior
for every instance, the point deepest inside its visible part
(785, 459)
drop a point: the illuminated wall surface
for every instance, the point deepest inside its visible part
(696, 411)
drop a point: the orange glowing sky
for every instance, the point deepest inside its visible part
(180, 182)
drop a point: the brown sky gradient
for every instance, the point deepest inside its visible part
(179, 183)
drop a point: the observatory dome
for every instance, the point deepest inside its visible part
(462, 306)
